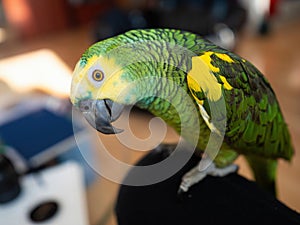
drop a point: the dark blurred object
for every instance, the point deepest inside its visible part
(44, 211)
(227, 200)
(202, 16)
(265, 26)
(205, 17)
(114, 22)
(9, 180)
(85, 11)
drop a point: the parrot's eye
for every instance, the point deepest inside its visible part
(98, 75)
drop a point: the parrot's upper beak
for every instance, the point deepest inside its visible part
(101, 113)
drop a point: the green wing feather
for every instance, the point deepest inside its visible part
(255, 124)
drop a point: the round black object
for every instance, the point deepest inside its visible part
(44, 211)
(9, 180)
(213, 201)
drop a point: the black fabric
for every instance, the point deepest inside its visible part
(228, 200)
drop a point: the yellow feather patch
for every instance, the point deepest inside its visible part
(91, 61)
(206, 57)
(224, 57)
(77, 75)
(194, 86)
(201, 76)
(113, 88)
(80, 72)
(192, 83)
(226, 85)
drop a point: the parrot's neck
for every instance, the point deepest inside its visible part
(183, 116)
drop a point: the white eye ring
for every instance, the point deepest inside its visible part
(96, 75)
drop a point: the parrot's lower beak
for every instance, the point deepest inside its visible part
(101, 113)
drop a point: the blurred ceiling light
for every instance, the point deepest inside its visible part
(2, 35)
(38, 70)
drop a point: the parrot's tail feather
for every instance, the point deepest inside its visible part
(264, 171)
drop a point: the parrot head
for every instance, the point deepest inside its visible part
(108, 77)
(98, 86)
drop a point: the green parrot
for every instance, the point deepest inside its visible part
(201, 90)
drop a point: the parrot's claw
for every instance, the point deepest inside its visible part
(197, 174)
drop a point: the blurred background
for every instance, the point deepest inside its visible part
(40, 43)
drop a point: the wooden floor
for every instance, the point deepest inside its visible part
(276, 55)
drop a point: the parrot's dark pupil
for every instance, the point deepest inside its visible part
(98, 75)
(86, 107)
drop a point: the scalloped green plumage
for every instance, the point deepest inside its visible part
(255, 124)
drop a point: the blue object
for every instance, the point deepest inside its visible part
(33, 133)
(42, 135)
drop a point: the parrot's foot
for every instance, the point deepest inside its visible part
(197, 174)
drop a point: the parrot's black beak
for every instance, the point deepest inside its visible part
(101, 113)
